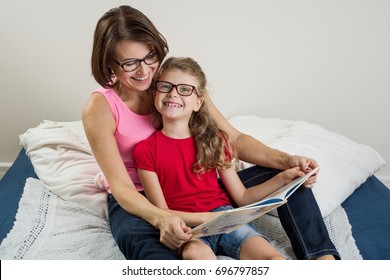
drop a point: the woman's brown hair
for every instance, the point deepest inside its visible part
(118, 24)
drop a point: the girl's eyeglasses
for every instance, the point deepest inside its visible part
(181, 89)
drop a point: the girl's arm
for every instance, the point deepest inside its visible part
(154, 193)
(244, 196)
(99, 126)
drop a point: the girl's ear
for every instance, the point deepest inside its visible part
(199, 102)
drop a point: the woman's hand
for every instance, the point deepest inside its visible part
(305, 165)
(173, 232)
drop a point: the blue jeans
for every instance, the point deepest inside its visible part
(136, 238)
(300, 217)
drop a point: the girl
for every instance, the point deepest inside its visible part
(178, 166)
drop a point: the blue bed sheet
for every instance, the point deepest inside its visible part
(11, 189)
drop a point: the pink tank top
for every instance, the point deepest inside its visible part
(131, 128)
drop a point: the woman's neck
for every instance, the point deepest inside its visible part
(139, 102)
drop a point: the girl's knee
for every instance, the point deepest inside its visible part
(197, 250)
(258, 248)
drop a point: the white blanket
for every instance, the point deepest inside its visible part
(48, 227)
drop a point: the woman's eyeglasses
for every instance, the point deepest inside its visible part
(132, 64)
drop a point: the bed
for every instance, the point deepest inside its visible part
(53, 203)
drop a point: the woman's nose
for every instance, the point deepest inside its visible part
(142, 67)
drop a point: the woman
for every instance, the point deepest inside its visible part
(127, 52)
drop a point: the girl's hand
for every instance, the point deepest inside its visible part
(288, 175)
(213, 215)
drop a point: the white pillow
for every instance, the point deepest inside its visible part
(63, 161)
(344, 164)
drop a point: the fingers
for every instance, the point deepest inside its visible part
(296, 172)
(309, 183)
(304, 163)
(172, 241)
(173, 234)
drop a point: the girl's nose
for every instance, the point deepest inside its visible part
(173, 92)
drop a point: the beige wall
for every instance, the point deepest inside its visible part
(326, 62)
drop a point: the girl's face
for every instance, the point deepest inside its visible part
(173, 106)
(128, 56)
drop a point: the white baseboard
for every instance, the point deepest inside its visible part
(385, 180)
(4, 166)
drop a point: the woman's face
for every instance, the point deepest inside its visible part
(128, 56)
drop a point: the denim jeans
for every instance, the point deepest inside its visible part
(136, 238)
(300, 217)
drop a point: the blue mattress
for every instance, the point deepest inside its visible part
(368, 209)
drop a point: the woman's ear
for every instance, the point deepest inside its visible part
(111, 71)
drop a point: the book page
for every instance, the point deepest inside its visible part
(230, 220)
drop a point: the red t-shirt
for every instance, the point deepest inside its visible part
(172, 160)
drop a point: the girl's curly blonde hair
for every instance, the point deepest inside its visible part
(213, 147)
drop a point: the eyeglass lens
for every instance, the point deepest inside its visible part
(133, 64)
(181, 89)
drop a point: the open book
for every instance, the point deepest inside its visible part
(230, 220)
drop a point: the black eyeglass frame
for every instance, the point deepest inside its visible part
(193, 89)
(137, 61)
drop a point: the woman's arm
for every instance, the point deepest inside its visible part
(99, 125)
(154, 193)
(253, 151)
(248, 148)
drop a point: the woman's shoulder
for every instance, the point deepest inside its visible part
(97, 113)
(95, 103)
(107, 94)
